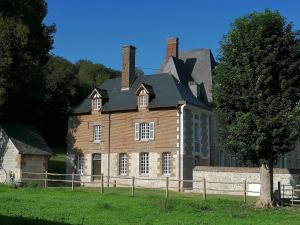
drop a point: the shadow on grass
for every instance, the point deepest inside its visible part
(19, 220)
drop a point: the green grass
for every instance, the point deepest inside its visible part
(115, 206)
(57, 162)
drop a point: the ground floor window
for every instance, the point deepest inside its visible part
(123, 164)
(166, 163)
(144, 163)
(80, 163)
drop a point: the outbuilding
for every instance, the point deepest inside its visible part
(22, 149)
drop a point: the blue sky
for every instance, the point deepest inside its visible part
(96, 30)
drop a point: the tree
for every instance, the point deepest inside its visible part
(24, 45)
(60, 96)
(91, 75)
(256, 91)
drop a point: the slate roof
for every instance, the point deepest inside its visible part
(168, 93)
(195, 65)
(26, 139)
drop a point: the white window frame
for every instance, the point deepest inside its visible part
(96, 103)
(143, 101)
(123, 160)
(80, 164)
(144, 131)
(166, 163)
(97, 133)
(144, 163)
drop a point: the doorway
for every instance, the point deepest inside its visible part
(96, 166)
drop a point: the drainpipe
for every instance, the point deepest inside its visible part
(181, 142)
(108, 156)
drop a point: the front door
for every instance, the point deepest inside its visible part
(96, 166)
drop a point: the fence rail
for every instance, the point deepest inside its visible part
(285, 194)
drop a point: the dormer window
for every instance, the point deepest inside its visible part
(144, 94)
(98, 98)
(143, 101)
(96, 103)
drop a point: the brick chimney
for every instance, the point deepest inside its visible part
(172, 48)
(128, 66)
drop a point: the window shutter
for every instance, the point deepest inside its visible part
(137, 131)
(151, 130)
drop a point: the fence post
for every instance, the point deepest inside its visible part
(46, 179)
(167, 187)
(102, 183)
(293, 191)
(283, 194)
(204, 188)
(179, 183)
(245, 191)
(279, 193)
(132, 187)
(72, 181)
(114, 183)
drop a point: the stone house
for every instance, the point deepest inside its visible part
(22, 149)
(152, 126)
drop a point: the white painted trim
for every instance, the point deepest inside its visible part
(181, 149)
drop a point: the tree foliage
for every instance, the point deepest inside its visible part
(256, 87)
(24, 45)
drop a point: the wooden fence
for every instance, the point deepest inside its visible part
(285, 193)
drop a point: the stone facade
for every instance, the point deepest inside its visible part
(229, 180)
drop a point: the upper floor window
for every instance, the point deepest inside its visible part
(143, 101)
(144, 163)
(97, 133)
(96, 103)
(166, 163)
(123, 164)
(144, 131)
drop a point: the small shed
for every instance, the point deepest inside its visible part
(22, 149)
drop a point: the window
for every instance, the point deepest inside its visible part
(221, 158)
(144, 163)
(144, 131)
(143, 101)
(80, 164)
(123, 164)
(197, 141)
(97, 133)
(166, 163)
(96, 103)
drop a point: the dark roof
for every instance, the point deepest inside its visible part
(26, 139)
(168, 93)
(102, 92)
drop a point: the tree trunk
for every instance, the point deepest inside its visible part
(266, 186)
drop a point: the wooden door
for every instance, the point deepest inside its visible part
(97, 166)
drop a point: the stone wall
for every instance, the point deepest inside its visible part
(11, 162)
(229, 180)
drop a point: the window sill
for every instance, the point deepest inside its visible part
(96, 142)
(144, 175)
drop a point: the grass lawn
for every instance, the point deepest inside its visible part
(115, 206)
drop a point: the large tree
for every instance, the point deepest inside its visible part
(24, 45)
(256, 92)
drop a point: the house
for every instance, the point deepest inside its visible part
(22, 149)
(152, 126)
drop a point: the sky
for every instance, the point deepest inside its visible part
(97, 29)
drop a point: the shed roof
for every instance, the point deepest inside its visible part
(26, 139)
